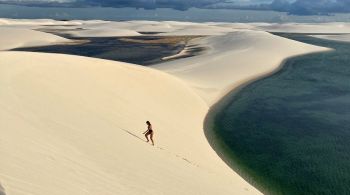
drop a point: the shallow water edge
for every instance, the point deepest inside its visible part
(210, 130)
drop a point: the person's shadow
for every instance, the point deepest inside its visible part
(134, 135)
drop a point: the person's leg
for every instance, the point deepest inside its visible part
(146, 135)
(152, 138)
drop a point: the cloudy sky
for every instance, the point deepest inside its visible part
(293, 7)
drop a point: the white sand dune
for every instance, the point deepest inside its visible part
(73, 125)
(233, 59)
(340, 37)
(127, 28)
(199, 31)
(17, 37)
(305, 27)
(133, 28)
(150, 26)
(31, 22)
(104, 29)
(104, 33)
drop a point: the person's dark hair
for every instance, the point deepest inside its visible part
(148, 122)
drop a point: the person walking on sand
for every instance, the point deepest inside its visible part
(149, 132)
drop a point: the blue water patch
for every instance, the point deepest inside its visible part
(290, 133)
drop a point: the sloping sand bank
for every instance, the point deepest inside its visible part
(73, 125)
(18, 37)
(232, 60)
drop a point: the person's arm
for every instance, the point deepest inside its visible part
(145, 131)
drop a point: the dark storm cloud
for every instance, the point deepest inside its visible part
(146, 4)
(296, 7)
(152, 4)
(310, 7)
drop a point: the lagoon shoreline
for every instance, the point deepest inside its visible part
(209, 123)
(294, 117)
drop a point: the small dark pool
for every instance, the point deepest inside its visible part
(144, 50)
(113, 48)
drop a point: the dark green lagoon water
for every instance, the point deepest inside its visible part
(290, 133)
